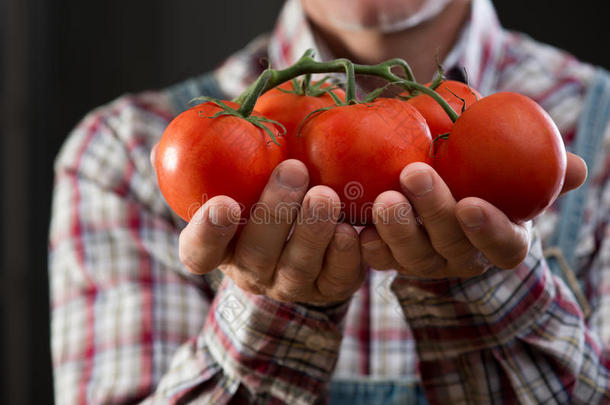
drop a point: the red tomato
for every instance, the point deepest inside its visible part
(437, 119)
(506, 150)
(291, 109)
(200, 157)
(359, 150)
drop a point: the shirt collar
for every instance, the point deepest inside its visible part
(476, 49)
(292, 36)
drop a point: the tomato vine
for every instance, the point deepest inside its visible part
(271, 78)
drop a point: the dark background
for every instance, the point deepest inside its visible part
(62, 58)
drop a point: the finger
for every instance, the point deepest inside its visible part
(153, 155)
(203, 242)
(374, 250)
(263, 237)
(576, 173)
(502, 242)
(302, 258)
(394, 220)
(342, 273)
(433, 201)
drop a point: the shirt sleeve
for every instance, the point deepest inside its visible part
(129, 323)
(508, 336)
(258, 350)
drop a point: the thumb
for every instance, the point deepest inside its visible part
(576, 173)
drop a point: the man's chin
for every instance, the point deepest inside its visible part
(389, 19)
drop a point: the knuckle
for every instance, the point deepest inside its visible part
(313, 237)
(252, 271)
(285, 295)
(278, 212)
(474, 270)
(291, 285)
(192, 265)
(253, 256)
(291, 275)
(332, 285)
(284, 211)
(478, 264)
(436, 212)
(515, 259)
(511, 251)
(398, 236)
(249, 285)
(190, 256)
(425, 266)
(457, 246)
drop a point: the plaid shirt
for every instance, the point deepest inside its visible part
(130, 324)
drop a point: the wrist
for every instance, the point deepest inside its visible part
(244, 328)
(449, 317)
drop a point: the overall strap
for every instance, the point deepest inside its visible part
(360, 391)
(204, 85)
(589, 135)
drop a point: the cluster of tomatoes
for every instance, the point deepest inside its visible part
(503, 148)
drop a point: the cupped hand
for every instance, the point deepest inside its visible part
(423, 232)
(320, 262)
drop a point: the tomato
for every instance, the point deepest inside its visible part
(359, 150)
(200, 157)
(291, 109)
(506, 150)
(451, 91)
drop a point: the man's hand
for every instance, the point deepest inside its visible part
(319, 264)
(426, 233)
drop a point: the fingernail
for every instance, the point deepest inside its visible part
(395, 213)
(153, 155)
(472, 216)
(291, 178)
(343, 241)
(319, 209)
(220, 216)
(418, 183)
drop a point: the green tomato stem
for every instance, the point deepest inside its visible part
(305, 83)
(407, 85)
(247, 104)
(271, 78)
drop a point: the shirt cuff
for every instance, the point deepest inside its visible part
(286, 350)
(450, 317)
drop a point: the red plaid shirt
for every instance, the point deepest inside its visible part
(129, 323)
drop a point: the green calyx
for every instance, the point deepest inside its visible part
(257, 120)
(440, 74)
(306, 88)
(439, 78)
